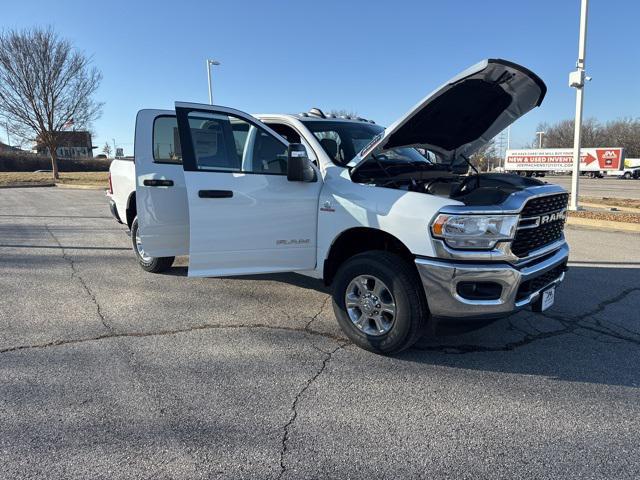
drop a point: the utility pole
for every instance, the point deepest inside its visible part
(576, 80)
(209, 64)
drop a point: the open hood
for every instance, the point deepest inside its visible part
(464, 113)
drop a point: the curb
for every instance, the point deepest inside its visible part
(609, 207)
(28, 185)
(603, 224)
(82, 187)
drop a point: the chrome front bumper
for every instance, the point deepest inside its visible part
(440, 279)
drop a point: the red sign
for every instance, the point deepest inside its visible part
(591, 159)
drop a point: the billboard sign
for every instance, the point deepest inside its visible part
(561, 159)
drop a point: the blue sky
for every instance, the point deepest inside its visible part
(377, 58)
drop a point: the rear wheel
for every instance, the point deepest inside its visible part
(379, 303)
(147, 262)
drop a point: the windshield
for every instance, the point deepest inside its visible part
(341, 141)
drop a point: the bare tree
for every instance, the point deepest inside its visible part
(560, 135)
(486, 157)
(45, 86)
(106, 149)
(623, 132)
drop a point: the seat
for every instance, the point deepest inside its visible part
(269, 155)
(330, 146)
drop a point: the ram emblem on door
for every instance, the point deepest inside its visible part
(301, 241)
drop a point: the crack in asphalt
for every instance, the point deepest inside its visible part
(570, 323)
(158, 333)
(114, 334)
(294, 407)
(75, 274)
(307, 327)
(136, 370)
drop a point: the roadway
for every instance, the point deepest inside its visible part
(599, 187)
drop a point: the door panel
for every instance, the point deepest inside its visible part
(244, 215)
(256, 230)
(161, 195)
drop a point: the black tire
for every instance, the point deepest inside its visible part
(405, 286)
(150, 264)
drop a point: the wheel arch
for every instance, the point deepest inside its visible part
(358, 240)
(131, 210)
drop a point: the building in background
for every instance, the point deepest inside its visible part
(71, 145)
(8, 148)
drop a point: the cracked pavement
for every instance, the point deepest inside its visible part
(107, 371)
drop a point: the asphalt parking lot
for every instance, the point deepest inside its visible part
(110, 372)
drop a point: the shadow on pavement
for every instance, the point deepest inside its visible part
(591, 335)
(294, 279)
(62, 247)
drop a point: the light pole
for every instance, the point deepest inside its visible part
(540, 134)
(576, 80)
(114, 147)
(209, 64)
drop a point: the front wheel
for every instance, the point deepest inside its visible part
(379, 302)
(147, 262)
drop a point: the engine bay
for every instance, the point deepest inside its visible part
(473, 190)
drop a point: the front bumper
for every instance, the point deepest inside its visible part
(521, 286)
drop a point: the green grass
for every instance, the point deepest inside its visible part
(67, 178)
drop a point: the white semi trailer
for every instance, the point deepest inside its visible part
(596, 162)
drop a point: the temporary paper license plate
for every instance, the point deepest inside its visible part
(548, 296)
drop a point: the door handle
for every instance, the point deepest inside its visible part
(215, 193)
(158, 183)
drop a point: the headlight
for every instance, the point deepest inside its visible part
(474, 231)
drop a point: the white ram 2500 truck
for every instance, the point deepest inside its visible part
(387, 216)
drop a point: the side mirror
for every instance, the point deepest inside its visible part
(299, 168)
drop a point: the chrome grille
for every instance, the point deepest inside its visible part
(532, 235)
(546, 204)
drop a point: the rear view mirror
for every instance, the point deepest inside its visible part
(299, 167)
